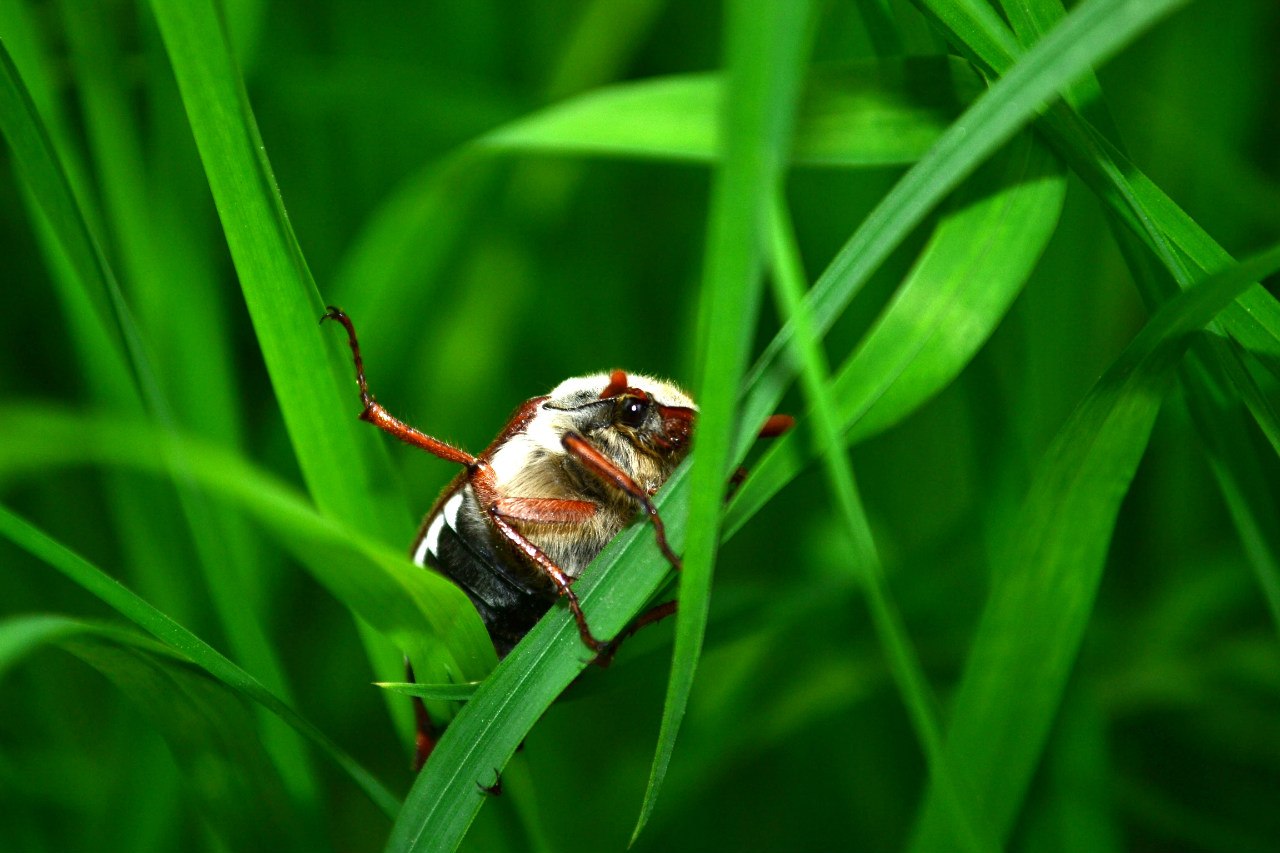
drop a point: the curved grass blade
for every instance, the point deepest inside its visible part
(429, 617)
(867, 113)
(188, 321)
(1095, 30)
(973, 266)
(209, 729)
(904, 663)
(1044, 586)
(184, 643)
(347, 473)
(1150, 214)
(308, 373)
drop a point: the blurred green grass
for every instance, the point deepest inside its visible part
(484, 267)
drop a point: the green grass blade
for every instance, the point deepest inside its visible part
(1093, 32)
(1150, 214)
(209, 729)
(1225, 436)
(222, 539)
(1044, 585)
(88, 306)
(974, 265)
(443, 692)
(346, 472)
(866, 113)
(310, 377)
(765, 57)
(183, 642)
(789, 288)
(425, 614)
(489, 728)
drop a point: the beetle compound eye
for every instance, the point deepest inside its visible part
(632, 411)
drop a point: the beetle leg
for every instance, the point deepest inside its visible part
(546, 510)
(486, 491)
(600, 465)
(426, 737)
(774, 426)
(494, 790)
(651, 616)
(375, 414)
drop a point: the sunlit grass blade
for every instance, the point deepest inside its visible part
(1045, 582)
(865, 113)
(183, 642)
(973, 266)
(208, 727)
(308, 367)
(346, 473)
(966, 830)
(766, 53)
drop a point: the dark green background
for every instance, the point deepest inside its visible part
(540, 267)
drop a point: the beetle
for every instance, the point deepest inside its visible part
(522, 520)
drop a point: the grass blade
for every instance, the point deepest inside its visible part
(424, 613)
(183, 642)
(766, 54)
(1094, 31)
(866, 113)
(209, 729)
(1044, 586)
(974, 265)
(789, 287)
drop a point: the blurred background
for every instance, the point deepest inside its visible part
(526, 269)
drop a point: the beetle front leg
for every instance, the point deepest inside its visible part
(502, 510)
(604, 468)
(375, 414)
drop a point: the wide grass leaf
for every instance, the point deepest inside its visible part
(1044, 585)
(865, 113)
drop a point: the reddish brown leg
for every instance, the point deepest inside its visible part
(375, 414)
(651, 616)
(494, 790)
(425, 740)
(600, 465)
(487, 495)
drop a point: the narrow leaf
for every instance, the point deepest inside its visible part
(183, 643)
(1045, 584)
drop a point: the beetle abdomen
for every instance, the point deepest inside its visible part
(458, 542)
